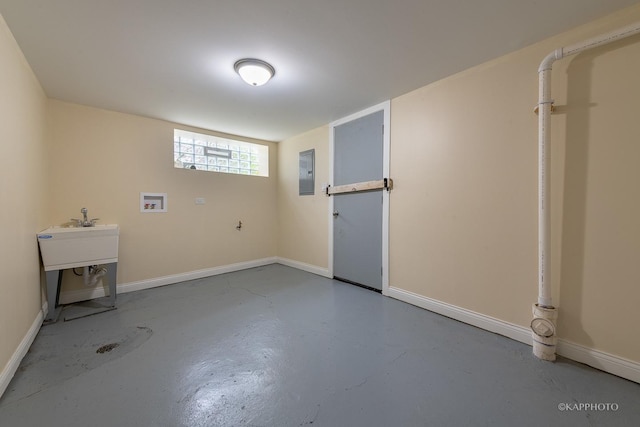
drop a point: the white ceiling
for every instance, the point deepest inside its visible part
(173, 59)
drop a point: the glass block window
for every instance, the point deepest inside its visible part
(215, 154)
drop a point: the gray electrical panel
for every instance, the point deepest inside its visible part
(307, 177)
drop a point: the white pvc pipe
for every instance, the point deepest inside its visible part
(92, 274)
(543, 325)
(544, 186)
(544, 136)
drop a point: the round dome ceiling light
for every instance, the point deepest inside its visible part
(254, 71)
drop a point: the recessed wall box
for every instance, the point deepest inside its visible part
(153, 202)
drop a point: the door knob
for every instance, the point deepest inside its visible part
(335, 214)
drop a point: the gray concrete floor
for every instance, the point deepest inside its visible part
(274, 346)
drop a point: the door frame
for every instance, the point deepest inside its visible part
(386, 108)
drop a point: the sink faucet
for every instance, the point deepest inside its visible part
(85, 222)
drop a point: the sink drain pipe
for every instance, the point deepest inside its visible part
(543, 325)
(92, 273)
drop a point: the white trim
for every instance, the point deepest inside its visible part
(386, 140)
(610, 363)
(320, 271)
(607, 362)
(331, 207)
(385, 107)
(615, 365)
(91, 293)
(378, 107)
(12, 366)
(69, 297)
(482, 321)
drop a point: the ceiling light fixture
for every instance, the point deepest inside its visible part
(254, 71)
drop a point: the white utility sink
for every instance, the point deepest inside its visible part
(70, 247)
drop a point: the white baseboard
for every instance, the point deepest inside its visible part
(70, 297)
(616, 365)
(612, 364)
(324, 272)
(98, 292)
(12, 366)
(482, 321)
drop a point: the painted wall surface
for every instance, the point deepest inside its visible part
(463, 227)
(303, 220)
(463, 220)
(23, 193)
(102, 160)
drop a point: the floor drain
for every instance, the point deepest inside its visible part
(106, 348)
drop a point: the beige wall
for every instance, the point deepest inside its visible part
(23, 194)
(102, 160)
(303, 219)
(463, 227)
(463, 209)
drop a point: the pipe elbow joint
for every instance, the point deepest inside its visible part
(547, 62)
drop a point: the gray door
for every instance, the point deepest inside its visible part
(357, 217)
